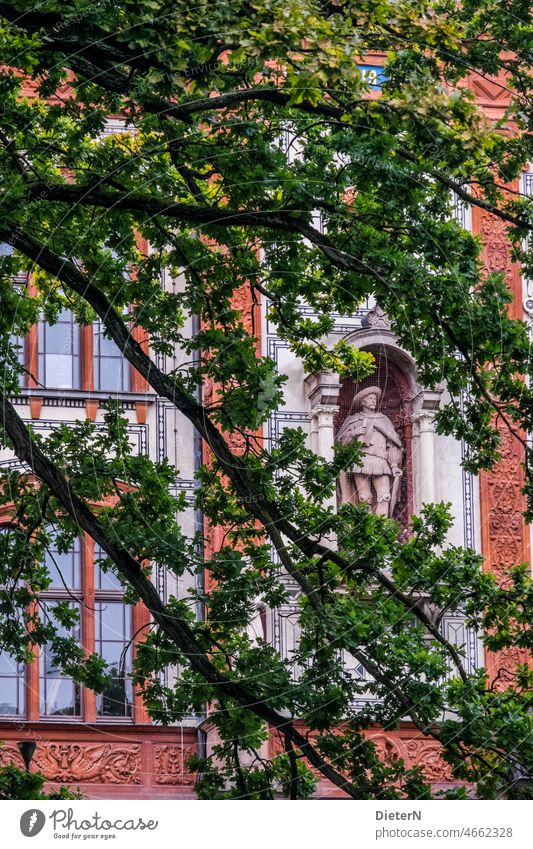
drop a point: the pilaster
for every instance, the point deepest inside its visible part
(425, 491)
(323, 393)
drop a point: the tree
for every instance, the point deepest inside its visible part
(207, 93)
(16, 783)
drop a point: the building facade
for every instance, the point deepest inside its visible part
(106, 745)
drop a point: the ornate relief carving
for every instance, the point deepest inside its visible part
(377, 319)
(237, 441)
(504, 533)
(81, 762)
(242, 301)
(388, 749)
(505, 542)
(496, 254)
(276, 746)
(427, 754)
(10, 755)
(503, 666)
(414, 751)
(490, 88)
(169, 765)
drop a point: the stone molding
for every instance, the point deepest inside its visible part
(322, 389)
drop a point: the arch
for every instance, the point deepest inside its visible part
(395, 374)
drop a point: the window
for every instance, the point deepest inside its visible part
(64, 568)
(112, 641)
(112, 620)
(11, 686)
(59, 352)
(106, 581)
(105, 626)
(59, 694)
(64, 352)
(67, 355)
(111, 370)
(17, 343)
(12, 674)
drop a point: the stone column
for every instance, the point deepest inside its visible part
(323, 392)
(424, 455)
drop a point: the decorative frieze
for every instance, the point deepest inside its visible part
(505, 536)
(413, 750)
(82, 762)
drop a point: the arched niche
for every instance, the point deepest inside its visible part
(395, 375)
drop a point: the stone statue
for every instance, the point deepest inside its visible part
(376, 481)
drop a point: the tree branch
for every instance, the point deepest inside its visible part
(177, 629)
(268, 513)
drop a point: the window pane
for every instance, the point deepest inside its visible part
(18, 345)
(58, 371)
(59, 694)
(114, 655)
(107, 348)
(61, 697)
(59, 349)
(116, 700)
(64, 568)
(11, 686)
(113, 631)
(8, 666)
(59, 338)
(104, 580)
(112, 621)
(111, 370)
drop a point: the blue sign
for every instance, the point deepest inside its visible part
(374, 75)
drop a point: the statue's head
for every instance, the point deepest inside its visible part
(370, 402)
(367, 399)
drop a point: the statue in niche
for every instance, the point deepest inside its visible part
(376, 481)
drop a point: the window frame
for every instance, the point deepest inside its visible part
(45, 678)
(97, 359)
(18, 675)
(87, 595)
(32, 355)
(113, 595)
(75, 339)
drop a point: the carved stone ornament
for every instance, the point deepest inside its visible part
(428, 755)
(376, 481)
(496, 253)
(413, 751)
(83, 763)
(377, 319)
(169, 765)
(504, 533)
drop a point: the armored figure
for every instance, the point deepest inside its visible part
(377, 480)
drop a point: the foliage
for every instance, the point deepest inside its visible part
(16, 783)
(241, 125)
